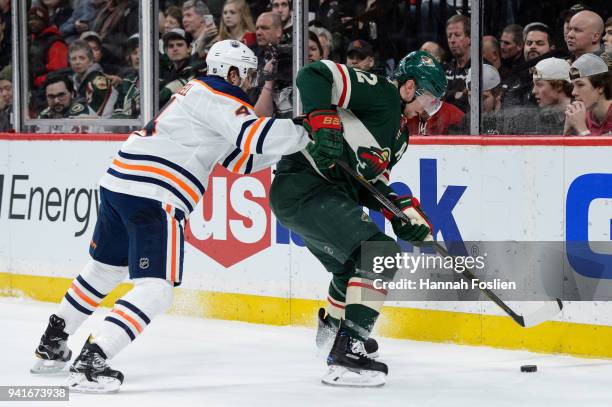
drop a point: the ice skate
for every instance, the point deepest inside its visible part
(350, 366)
(91, 374)
(52, 353)
(326, 333)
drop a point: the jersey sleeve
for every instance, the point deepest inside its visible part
(236, 121)
(323, 84)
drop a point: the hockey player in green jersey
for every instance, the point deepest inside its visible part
(355, 117)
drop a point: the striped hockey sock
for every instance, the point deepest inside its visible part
(86, 292)
(132, 313)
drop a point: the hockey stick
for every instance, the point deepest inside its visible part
(548, 310)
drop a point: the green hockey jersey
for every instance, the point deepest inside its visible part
(371, 111)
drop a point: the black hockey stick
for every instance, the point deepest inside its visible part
(548, 310)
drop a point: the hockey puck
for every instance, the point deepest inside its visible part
(529, 368)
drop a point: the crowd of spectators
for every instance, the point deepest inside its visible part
(84, 58)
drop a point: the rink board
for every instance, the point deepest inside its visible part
(241, 264)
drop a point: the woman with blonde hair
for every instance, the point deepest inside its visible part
(237, 23)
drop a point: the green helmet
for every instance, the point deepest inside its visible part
(421, 67)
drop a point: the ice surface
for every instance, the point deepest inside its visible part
(193, 362)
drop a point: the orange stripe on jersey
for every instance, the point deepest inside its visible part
(129, 319)
(157, 171)
(83, 296)
(247, 144)
(216, 92)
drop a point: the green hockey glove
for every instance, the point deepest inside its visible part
(325, 128)
(419, 227)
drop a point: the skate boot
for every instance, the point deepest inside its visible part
(91, 374)
(52, 353)
(327, 330)
(350, 366)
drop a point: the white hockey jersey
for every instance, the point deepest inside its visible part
(208, 121)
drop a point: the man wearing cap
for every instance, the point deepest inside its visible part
(591, 112)
(176, 47)
(360, 55)
(48, 51)
(128, 99)
(553, 91)
(6, 98)
(491, 103)
(584, 34)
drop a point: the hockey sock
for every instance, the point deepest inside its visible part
(132, 313)
(336, 299)
(86, 292)
(363, 299)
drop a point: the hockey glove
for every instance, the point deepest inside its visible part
(325, 128)
(419, 227)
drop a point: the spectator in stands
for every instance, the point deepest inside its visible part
(48, 51)
(80, 21)
(61, 102)
(591, 112)
(434, 49)
(360, 55)
(117, 20)
(491, 51)
(537, 41)
(326, 41)
(182, 69)
(5, 44)
(90, 83)
(458, 37)
(173, 18)
(59, 11)
(444, 117)
(128, 98)
(6, 25)
(274, 68)
(584, 34)
(111, 65)
(608, 36)
(491, 103)
(315, 50)
(199, 23)
(6, 99)
(567, 15)
(284, 9)
(511, 44)
(553, 92)
(237, 23)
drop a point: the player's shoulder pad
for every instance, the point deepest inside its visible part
(219, 85)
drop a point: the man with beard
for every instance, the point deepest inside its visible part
(59, 91)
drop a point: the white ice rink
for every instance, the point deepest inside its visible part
(180, 361)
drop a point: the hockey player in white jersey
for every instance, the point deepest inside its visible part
(153, 183)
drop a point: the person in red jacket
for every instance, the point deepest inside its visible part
(432, 120)
(48, 51)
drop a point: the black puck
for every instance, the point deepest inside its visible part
(529, 368)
